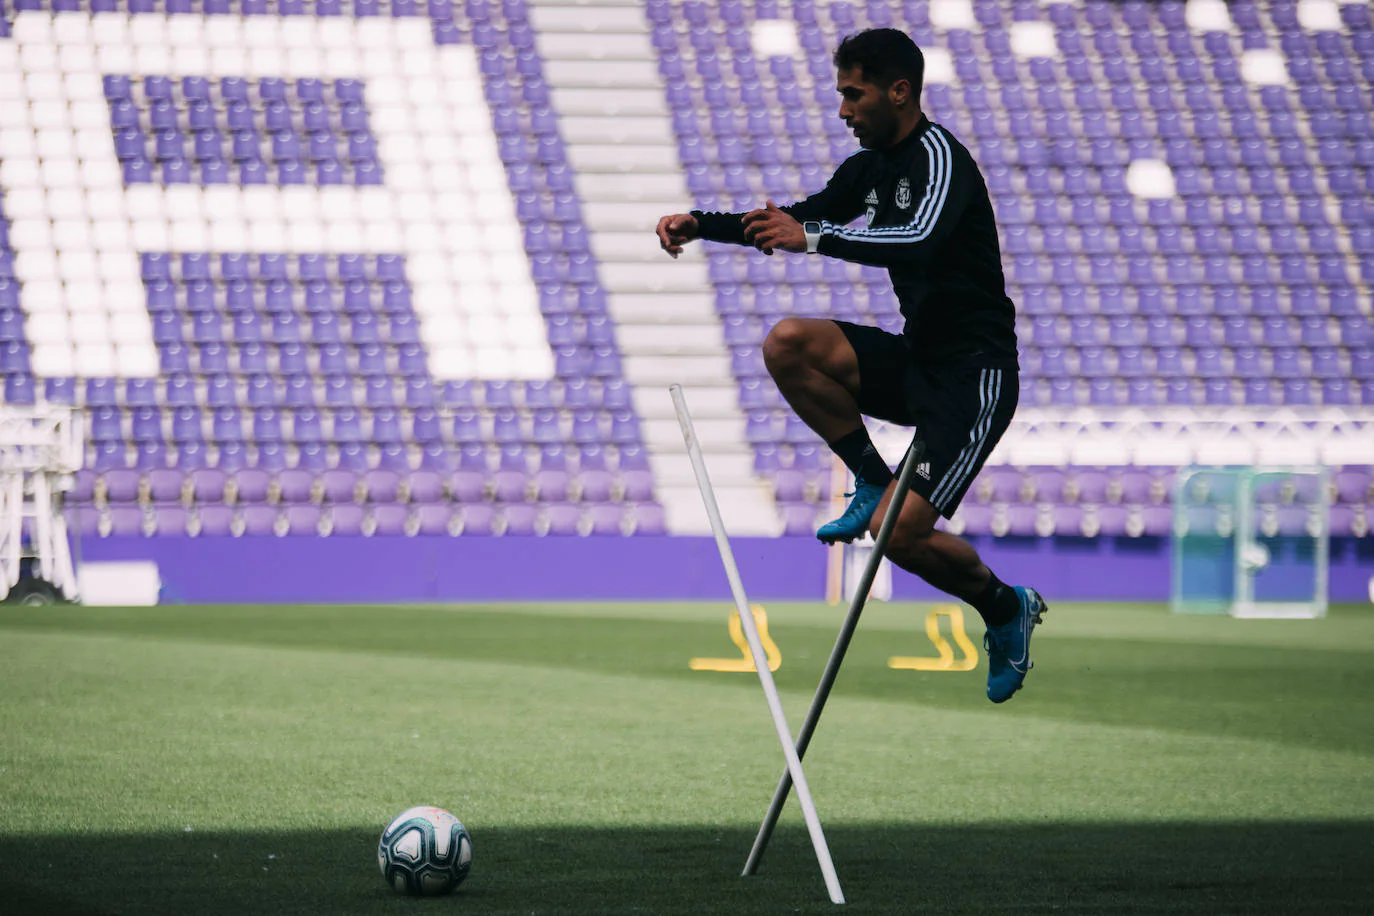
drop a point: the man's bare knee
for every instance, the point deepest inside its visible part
(910, 538)
(786, 344)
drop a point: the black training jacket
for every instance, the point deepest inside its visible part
(930, 223)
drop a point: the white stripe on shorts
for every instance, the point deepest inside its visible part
(989, 392)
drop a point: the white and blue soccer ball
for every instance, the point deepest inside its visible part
(424, 852)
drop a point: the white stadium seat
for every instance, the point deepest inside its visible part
(128, 329)
(47, 328)
(66, 202)
(112, 236)
(150, 234)
(148, 30)
(228, 234)
(92, 327)
(95, 360)
(35, 264)
(26, 203)
(30, 232)
(78, 62)
(344, 234)
(152, 58)
(83, 85)
(72, 235)
(115, 58)
(110, 29)
(190, 234)
(83, 297)
(136, 361)
(78, 265)
(56, 360)
(44, 85)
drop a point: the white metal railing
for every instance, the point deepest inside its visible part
(1177, 436)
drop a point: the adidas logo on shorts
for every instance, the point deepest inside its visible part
(923, 470)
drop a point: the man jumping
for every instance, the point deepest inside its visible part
(952, 373)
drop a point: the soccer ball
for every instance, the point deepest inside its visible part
(424, 852)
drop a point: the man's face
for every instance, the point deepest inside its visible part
(869, 111)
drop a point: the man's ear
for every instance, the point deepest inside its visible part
(899, 93)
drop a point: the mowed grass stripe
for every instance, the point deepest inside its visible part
(325, 737)
(1307, 693)
(620, 793)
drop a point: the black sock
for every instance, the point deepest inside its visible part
(997, 602)
(858, 454)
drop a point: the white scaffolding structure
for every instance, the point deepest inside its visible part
(40, 449)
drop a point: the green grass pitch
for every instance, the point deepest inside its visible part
(244, 760)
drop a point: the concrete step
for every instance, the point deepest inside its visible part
(567, 45)
(712, 432)
(641, 245)
(673, 468)
(600, 158)
(628, 216)
(655, 186)
(627, 101)
(632, 277)
(591, 6)
(602, 74)
(669, 339)
(686, 370)
(645, 129)
(662, 307)
(702, 401)
(588, 18)
(744, 511)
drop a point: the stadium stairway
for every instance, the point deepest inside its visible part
(606, 86)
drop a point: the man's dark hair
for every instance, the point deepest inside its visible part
(884, 56)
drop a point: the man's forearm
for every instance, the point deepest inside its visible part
(720, 227)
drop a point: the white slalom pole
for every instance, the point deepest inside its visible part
(914, 453)
(746, 619)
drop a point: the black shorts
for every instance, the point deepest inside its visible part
(960, 412)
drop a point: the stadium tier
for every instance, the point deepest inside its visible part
(370, 267)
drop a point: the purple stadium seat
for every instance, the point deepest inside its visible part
(390, 520)
(338, 485)
(380, 485)
(208, 485)
(977, 520)
(164, 485)
(249, 486)
(1354, 485)
(520, 519)
(475, 519)
(424, 486)
(170, 521)
(302, 521)
(211, 521)
(258, 521)
(126, 521)
(468, 486)
(432, 519)
(649, 519)
(121, 485)
(344, 521)
(294, 486)
(83, 486)
(798, 518)
(1110, 521)
(606, 519)
(510, 485)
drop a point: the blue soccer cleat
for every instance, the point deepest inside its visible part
(1008, 646)
(854, 523)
